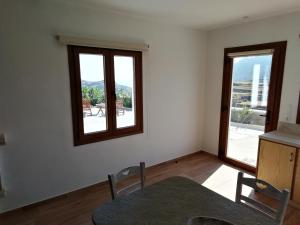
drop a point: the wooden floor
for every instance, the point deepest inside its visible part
(76, 208)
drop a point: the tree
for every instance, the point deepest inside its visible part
(244, 115)
(85, 93)
(93, 94)
(125, 96)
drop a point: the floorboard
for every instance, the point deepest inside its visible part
(76, 208)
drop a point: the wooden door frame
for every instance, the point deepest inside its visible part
(275, 87)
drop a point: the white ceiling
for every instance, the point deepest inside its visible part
(205, 14)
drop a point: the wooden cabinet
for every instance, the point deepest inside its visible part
(276, 164)
(279, 165)
(296, 194)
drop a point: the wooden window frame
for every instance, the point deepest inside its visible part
(80, 138)
(273, 98)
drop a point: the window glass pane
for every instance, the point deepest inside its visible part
(93, 92)
(124, 85)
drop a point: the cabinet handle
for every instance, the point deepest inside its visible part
(291, 157)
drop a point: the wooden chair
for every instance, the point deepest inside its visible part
(260, 186)
(120, 107)
(87, 107)
(123, 174)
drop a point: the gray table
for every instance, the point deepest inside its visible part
(172, 202)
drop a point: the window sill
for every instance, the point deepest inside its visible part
(88, 139)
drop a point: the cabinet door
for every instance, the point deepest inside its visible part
(296, 194)
(276, 164)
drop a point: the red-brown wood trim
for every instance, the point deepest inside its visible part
(225, 104)
(273, 97)
(276, 80)
(76, 95)
(138, 80)
(240, 165)
(103, 183)
(298, 112)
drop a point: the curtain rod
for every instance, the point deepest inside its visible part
(250, 53)
(88, 42)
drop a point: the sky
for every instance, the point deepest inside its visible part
(92, 69)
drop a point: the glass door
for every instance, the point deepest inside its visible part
(251, 94)
(248, 108)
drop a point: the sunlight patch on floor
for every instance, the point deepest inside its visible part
(223, 181)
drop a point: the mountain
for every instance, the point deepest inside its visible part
(100, 85)
(243, 69)
(90, 84)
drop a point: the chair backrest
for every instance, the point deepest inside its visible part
(123, 174)
(119, 103)
(267, 189)
(86, 103)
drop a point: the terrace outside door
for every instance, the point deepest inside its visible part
(250, 100)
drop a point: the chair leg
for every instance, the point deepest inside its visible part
(113, 192)
(142, 167)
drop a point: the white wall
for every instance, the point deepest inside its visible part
(267, 30)
(39, 160)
